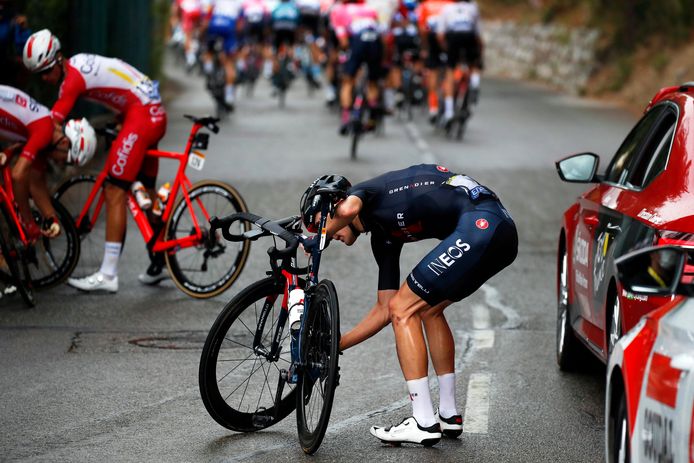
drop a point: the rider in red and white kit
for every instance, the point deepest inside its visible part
(132, 95)
(28, 130)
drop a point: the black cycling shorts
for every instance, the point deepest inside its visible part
(285, 37)
(484, 242)
(255, 32)
(365, 51)
(463, 47)
(310, 23)
(436, 58)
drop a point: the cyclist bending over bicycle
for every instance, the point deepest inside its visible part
(478, 239)
(128, 92)
(459, 34)
(357, 30)
(28, 127)
(224, 24)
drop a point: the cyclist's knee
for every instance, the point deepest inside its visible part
(20, 171)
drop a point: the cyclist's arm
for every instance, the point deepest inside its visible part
(374, 321)
(345, 212)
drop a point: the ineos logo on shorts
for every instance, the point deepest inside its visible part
(123, 153)
(448, 258)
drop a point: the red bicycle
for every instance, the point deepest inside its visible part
(200, 263)
(27, 262)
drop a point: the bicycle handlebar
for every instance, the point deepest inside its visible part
(276, 228)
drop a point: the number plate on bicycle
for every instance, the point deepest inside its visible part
(196, 160)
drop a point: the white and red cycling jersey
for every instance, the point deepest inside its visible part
(351, 19)
(23, 119)
(428, 14)
(109, 81)
(127, 91)
(191, 12)
(255, 11)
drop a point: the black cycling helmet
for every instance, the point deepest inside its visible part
(312, 202)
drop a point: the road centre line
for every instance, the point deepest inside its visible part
(482, 339)
(480, 317)
(492, 298)
(423, 147)
(476, 419)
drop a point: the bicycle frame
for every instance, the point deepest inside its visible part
(157, 243)
(7, 200)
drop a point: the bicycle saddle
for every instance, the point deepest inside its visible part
(207, 121)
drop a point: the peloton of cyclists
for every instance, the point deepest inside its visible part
(131, 94)
(285, 22)
(187, 15)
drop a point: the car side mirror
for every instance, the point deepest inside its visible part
(579, 168)
(654, 271)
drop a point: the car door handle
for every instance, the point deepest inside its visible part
(614, 227)
(684, 362)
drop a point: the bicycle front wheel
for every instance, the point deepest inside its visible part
(211, 266)
(14, 259)
(320, 376)
(238, 385)
(57, 257)
(73, 195)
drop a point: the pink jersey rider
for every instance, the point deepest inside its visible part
(22, 119)
(350, 19)
(127, 91)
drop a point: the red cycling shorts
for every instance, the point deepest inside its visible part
(143, 127)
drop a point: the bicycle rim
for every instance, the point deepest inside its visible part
(319, 378)
(56, 257)
(212, 265)
(73, 195)
(15, 259)
(238, 386)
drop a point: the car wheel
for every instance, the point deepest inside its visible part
(620, 434)
(615, 326)
(569, 349)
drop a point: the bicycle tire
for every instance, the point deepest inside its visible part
(232, 333)
(73, 195)
(355, 131)
(15, 259)
(183, 272)
(320, 346)
(59, 255)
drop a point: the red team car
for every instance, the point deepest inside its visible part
(645, 197)
(649, 410)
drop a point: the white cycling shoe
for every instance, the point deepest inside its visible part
(451, 427)
(154, 274)
(408, 431)
(95, 282)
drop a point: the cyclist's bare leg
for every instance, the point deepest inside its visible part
(20, 184)
(448, 85)
(433, 89)
(38, 187)
(116, 198)
(346, 89)
(405, 309)
(439, 338)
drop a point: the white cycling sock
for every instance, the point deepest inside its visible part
(109, 266)
(449, 107)
(389, 98)
(208, 67)
(422, 410)
(229, 93)
(447, 407)
(475, 80)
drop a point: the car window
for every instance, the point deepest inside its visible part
(618, 170)
(654, 157)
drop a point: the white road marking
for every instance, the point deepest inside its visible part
(480, 317)
(482, 339)
(493, 299)
(423, 147)
(476, 419)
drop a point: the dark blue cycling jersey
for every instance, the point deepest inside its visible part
(428, 201)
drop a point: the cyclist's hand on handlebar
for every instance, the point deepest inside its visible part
(312, 242)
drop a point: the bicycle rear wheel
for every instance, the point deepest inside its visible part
(73, 195)
(56, 258)
(211, 266)
(15, 258)
(239, 386)
(319, 378)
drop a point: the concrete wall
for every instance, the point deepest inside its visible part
(559, 56)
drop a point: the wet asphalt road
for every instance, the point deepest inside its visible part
(77, 385)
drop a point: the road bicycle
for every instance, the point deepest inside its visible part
(412, 90)
(216, 80)
(200, 263)
(283, 78)
(253, 373)
(33, 263)
(461, 106)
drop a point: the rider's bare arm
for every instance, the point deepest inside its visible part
(374, 321)
(345, 213)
